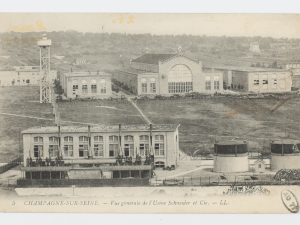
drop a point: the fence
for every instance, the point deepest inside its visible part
(11, 164)
(222, 181)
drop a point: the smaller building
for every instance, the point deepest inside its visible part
(86, 84)
(24, 75)
(254, 47)
(259, 166)
(80, 61)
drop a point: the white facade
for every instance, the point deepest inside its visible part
(102, 143)
(254, 47)
(287, 161)
(231, 163)
(24, 75)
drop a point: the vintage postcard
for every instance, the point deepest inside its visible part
(149, 113)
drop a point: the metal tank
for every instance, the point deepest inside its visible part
(231, 156)
(285, 154)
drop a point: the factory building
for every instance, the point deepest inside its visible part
(257, 80)
(102, 144)
(231, 156)
(285, 155)
(168, 74)
(24, 75)
(86, 84)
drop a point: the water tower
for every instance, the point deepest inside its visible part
(45, 81)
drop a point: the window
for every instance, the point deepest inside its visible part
(84, 89)
(256, 82)
(152, 85)
(128, 146)
(68, 147)
(94, 86)
(38, 151)
(159, 146)
(180, 79)
(103, 86)
(53, 146)
(38, 139)
(274, 81)
(207, 83)
(83, 146)
(144, 85)
(144, 145)
(259, 165)
(75, 87)
(265, 81)
(216, 83)
(113, 146)
(98, 146)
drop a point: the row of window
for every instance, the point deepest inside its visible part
(208, 83)
(84, 86)
(152, 85)
(114, 146)
(265, 82)
(180, 87)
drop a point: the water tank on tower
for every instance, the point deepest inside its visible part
(231, 156)
(285, 154)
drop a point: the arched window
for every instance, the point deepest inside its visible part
(274, 81)
(152, 85)
(98, 146)
(265, 81)
(68, 146)
(53, 146)
(216, 83)
(207, 83)
(113, 146)
(103, 85)
(256, 81)
(75, 84)
(159, 146)
(144, 85)
(83, 146)
(282, 80)
(94, 86)
(180, 79)
(144, 145)
(38, 147)
(128, 145)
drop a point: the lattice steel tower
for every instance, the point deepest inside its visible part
(45, 84)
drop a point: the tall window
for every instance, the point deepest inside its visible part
(207, 83)
(216, 83)
(180, 79)
(103, 85)
(98, 146)
(256, 82)
(38, 147)
(113, 146)
(265, 81)
(152, 85)
(159, 146)
(84, 87)
(144, 145)
(83, 146)
(274, 81)
(94, 86)
(53, 146)
(75, 85)
(128, 145)
(68, 147)
(144, 85)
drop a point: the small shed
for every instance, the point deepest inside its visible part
(260, 166)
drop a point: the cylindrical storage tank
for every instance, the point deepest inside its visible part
(231, 156)
(285, 155)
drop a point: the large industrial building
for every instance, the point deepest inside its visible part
(24, 75)
(86, 84)
(168, 74)
(231, 156)
(257, 80)
(102, 144)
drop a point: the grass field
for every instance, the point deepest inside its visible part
(20, 109)
(201, 120)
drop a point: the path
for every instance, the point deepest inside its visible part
(140, 111)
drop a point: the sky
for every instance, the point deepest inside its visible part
(265, 25)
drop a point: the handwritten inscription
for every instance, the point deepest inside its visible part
(31, 40)
(39, 26)
(121, 19)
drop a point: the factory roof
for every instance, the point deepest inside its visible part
(286, 142)
(135, 71)
(86, 73)
(101, 128)
(247, 69)
(231, 142)
(150, 58)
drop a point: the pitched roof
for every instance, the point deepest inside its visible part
(152, 58)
